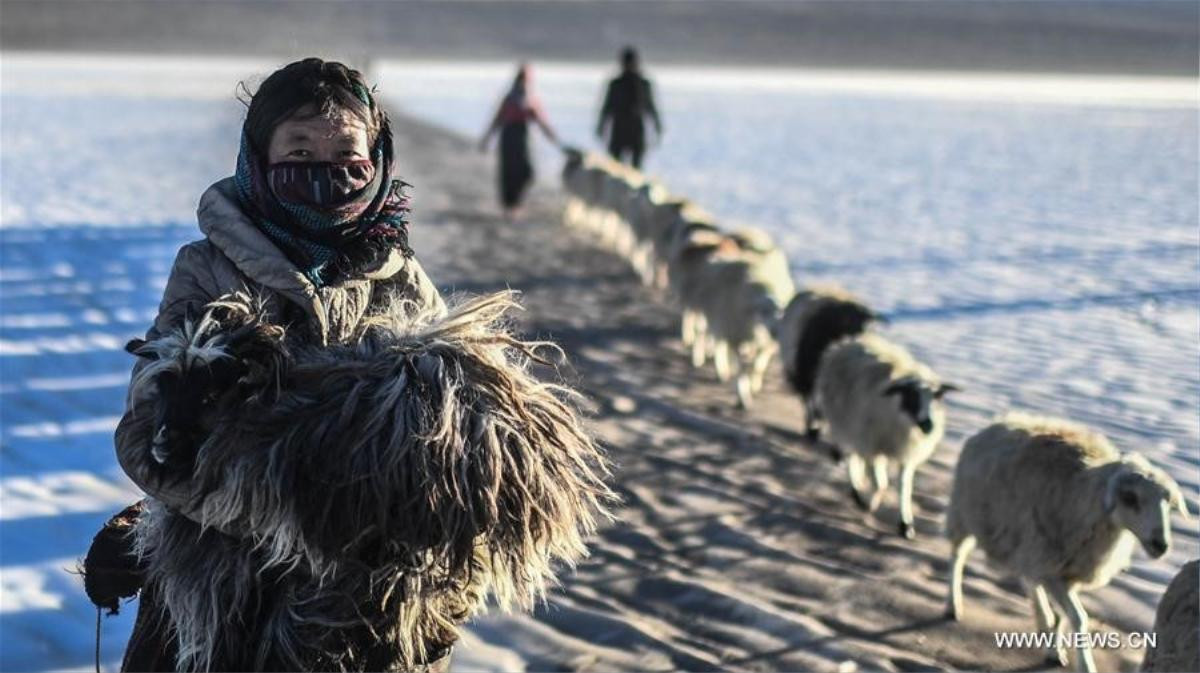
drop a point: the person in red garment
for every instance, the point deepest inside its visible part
(518, 108)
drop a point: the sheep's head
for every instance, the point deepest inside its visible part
(574, 159)
(227, 356)
(847, 317)
(1140, 498)
(920, 400)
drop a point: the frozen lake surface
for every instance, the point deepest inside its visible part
(1044, 254)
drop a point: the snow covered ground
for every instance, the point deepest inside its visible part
(1045, 254)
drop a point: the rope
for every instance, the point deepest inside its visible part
(97, 639)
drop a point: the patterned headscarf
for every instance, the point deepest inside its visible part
(328, 245)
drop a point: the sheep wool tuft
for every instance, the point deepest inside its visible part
(356, 517)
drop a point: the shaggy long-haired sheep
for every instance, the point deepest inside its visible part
(882, 407)
(813, 320)
(378, 491)
(1177, 625)
(1054, 503)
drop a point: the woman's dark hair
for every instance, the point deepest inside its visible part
(325, 87)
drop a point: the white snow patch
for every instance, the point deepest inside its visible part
(89, 382)
(45, 429)
(72, 343)
(56, 493)
(34, 320)
(24, 588)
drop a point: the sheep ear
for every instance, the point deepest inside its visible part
(896, 388)
(946, 388)
(878, 317)
(138, 347)
(1124, 476)
(1110, 493)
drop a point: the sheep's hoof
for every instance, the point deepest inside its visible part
(1059, 659)
(951, 614)
(906, 530)
(813, 434)
(860, 500)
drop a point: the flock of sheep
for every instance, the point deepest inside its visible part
(1049, 500)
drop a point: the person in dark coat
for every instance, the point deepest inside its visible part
(519, 107)
(264, 231)
(628, 101)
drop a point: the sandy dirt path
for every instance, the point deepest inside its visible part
(737, 547)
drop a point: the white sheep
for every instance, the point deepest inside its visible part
(1177, 625)
(617, 189)
(740, 297)
(651, 210)
(697, 245)
(582, 175)
(882, 406)
(1057, 505)
(770, 263)
(681, 221)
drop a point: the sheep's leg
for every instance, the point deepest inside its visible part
(856, 467)
(811, 429)
(879, 474)
(607, 222)
(907, 474)
(1069, 601)
(722, 360)
(660, 275)
(645, 264)
(699, 339)
(745, 390)
(569, 211)
(1047, 622)
(745, 380)
(688, 328)
(759, 369)
(958, 561)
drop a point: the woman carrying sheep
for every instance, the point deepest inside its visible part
(313, 227)
(518, 107)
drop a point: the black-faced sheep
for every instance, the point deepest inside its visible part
(375, 493)
(814, 319)
(1054, 503)
(882, 407)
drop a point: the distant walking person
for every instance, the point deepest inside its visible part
(519, 107)
(628, 101)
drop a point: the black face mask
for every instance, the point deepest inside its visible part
(323, 185)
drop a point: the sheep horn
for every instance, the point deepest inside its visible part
(1178, 502)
